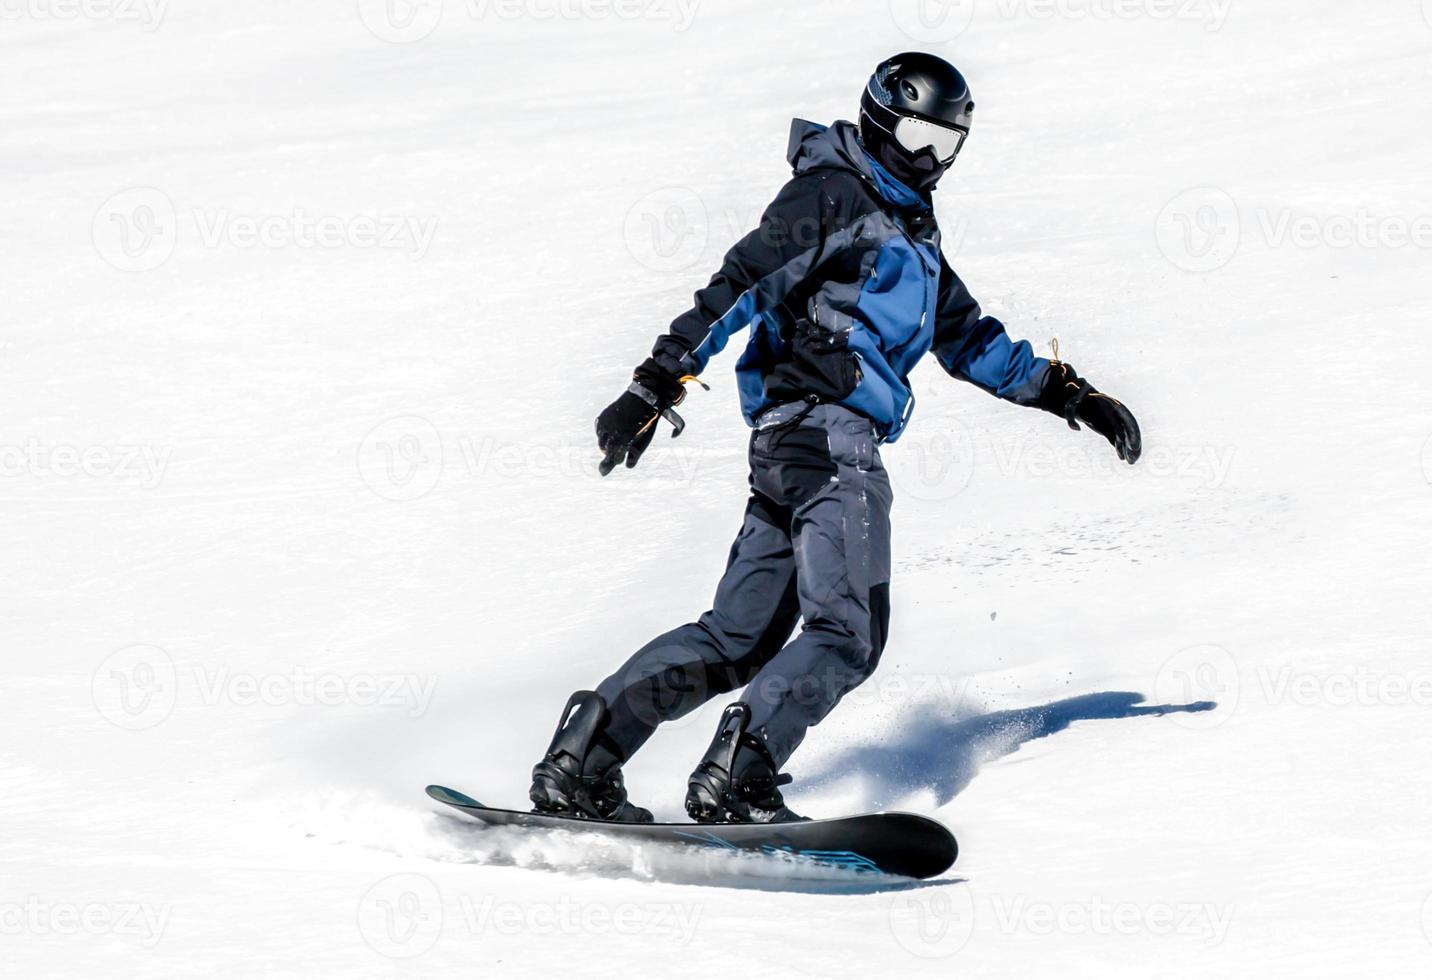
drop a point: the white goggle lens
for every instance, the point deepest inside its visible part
(917, 134)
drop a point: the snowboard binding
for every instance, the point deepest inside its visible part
(581, 774)
(737, 781)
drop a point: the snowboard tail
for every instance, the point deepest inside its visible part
(903, 844)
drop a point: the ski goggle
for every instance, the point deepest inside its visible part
(917, 134)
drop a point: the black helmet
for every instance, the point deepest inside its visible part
(915, 116)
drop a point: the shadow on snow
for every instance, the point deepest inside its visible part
(942, 754)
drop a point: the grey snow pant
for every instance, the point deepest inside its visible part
(814, 549)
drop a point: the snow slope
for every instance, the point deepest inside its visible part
(305, 312)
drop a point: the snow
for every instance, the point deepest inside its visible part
(303, 333)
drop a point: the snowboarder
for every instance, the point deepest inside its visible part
(844, 288)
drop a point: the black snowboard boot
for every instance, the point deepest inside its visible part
(737, 781)
(581, 775)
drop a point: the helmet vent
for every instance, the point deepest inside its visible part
(911, 92)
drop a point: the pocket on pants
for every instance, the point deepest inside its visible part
(852, 444)
(798, 460)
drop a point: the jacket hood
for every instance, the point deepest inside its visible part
(814, 147)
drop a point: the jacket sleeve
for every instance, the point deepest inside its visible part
(756, 275)
(975, 348)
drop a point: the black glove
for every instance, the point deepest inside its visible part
(1074, 399)
(626, 428)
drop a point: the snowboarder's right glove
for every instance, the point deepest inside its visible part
(626, 428)
(1076, 400)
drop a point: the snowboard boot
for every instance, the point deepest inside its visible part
(737, 781)
(581, 775)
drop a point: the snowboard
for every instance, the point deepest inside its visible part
(903, 844)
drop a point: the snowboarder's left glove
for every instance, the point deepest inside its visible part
(1076, 400)
(626, 428)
